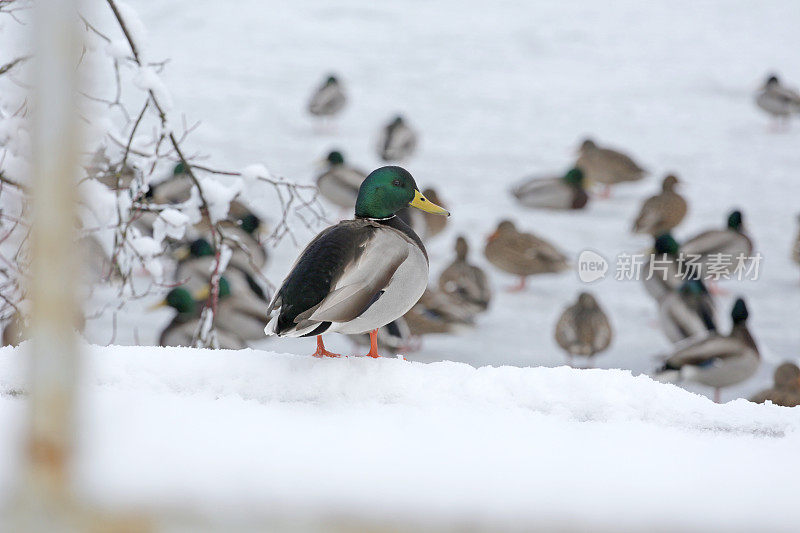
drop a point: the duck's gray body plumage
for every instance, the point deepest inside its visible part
(683, 316)
(716, 361)
(328, 100)
(241, 317)
(778, 100)
(550, 192)
(723, 248)
(339, 184)
(398, 142)
(666, 276)
(352, 278)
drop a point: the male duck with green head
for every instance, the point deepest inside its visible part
(184, 325)
(360, 274)
(180, 330)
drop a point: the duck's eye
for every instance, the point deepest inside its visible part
(397, 183)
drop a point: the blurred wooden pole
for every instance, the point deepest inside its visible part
(51, 286)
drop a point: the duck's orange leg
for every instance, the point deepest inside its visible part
(373, 344)
(520, 286)
(321, 351)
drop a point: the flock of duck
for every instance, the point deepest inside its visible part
(241, 297)
(368, 277)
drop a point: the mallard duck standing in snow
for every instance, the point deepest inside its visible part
(778, 100)
(716, 361)
(786, 390)
(723, 248)
(398, 141)
(340, 182)
(607, 166)
(662, 212)
(522, 254)
(360, 274)
(464, 281)
(328, 100)
(583, 328)
(687, 312)
(562, 192)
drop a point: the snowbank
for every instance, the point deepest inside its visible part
(256, 431)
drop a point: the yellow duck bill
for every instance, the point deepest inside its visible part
(157, 305)
(420, 202)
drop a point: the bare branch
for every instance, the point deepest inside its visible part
(130, 138)
(94, 30)
(9, 181)
(11, 64)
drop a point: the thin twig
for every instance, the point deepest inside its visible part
(9, 181)
(11, 64)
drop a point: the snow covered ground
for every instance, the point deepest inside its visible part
(499, 93)
(254, 432)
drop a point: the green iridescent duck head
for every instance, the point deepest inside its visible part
(389, 189)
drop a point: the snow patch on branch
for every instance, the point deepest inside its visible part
(218, 196)
(148, 80)
(251, 173)
(170, 223)
(118, 49)
(136, 29)
(225, 254)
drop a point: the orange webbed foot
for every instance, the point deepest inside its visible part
(321, 351)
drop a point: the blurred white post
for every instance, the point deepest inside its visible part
(51, 286)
